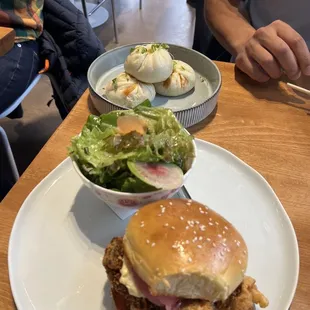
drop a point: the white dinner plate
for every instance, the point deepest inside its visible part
(58, 239)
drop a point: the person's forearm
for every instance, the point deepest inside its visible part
(228, 25)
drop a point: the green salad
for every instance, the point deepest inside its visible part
(108, 143)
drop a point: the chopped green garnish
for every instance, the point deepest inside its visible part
(157, 46)
(114, 83)
(182, 68)
(132, 49)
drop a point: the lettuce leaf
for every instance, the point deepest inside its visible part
(102, 153)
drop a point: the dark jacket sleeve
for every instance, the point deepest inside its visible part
(72, 33)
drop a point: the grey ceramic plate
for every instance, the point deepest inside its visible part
(190, 108)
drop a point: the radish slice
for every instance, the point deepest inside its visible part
(160, 175)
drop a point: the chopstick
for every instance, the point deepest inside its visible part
(300, 89)
(186, 193)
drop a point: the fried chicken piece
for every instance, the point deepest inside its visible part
(244, 297)
(113, 262)
(196, 305)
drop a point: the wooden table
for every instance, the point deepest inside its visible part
(7, 38)
(267, 126)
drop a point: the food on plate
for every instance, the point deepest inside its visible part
(179, 254)
(127, 91)
(181, 80)
(134, 151)
(149, 63)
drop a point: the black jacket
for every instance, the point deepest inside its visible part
(70, 45)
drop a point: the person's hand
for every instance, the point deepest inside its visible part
(272, 51)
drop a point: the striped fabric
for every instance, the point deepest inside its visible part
(25, 16)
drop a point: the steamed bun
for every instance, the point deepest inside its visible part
(181, 81)
(149, 63)
(126, 91)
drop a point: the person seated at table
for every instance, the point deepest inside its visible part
(272, 38)
(21, 64)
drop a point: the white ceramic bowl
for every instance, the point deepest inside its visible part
(134, 200)
(189, 109)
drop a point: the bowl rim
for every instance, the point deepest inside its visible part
(110, 191)
(214, 93)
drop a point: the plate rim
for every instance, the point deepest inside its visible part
(143, 43)
(12, 277)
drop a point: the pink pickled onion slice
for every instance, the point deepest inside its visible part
(170, 303)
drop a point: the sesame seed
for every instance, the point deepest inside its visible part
(208, 239)
(224, 240)
(224, 244)
(202, 227)
(226, 227)
(166, 225)
(188, 203)
(163, 210)
(228, 249)
(221, 254)
(202, 212)
(219, 235)
(214, 245)
(147, 241)
(153, 244)
(223, 232)
(189, 200)
(216, 223)
(181, 218)
(239, 261)
(187, 241)
(182, 242)
(210, 218)
(172, 227)
(197, 222)
(199, 246)
(136, 213)
(244, 251)
(206, 207)
(175, 246)
(161, 206)
(157, 269)
(195, 232)
(200, 238)
(238, 243)
(187, 227)
(170, 203)
(159, 214)
(195, 239)
(142, 225)
(211, 224)
(190, 260)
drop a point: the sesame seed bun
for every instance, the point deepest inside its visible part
(184, 249)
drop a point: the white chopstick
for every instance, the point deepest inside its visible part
(298, 88)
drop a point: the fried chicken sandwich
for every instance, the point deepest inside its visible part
(179, 254)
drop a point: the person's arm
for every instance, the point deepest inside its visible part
(228, 25)
(263, 53)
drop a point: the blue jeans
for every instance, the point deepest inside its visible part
(18, 68)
